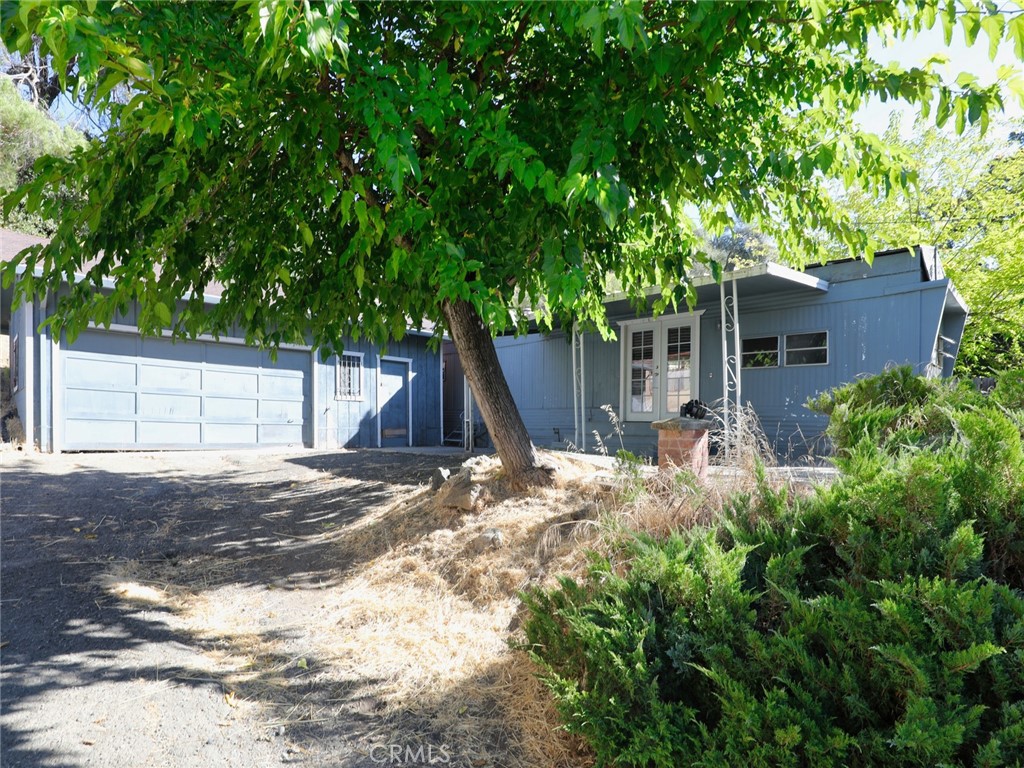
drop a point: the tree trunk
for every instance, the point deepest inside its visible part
(479, 360)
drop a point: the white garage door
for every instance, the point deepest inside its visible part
(123, 391)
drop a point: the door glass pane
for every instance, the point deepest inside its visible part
(677, 369)
(641, 375)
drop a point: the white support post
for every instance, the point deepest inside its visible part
(737, 356)
(731, 363)
(725, 369)
(56, 393)
(583, 398)
(575, 393)
(314, 388)
(28, 373)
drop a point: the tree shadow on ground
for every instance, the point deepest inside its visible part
(63, 530)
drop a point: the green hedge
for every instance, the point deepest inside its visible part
(878, 622)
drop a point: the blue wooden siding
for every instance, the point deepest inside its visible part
(353, 423)
(875, 317)
(115, 389)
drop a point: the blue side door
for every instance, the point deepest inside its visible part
(395, 425)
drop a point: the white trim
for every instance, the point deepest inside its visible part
(361, 397)
(167, 334)
(27, 374)
(314, 394)
(56, 393)
(657, 325)
(408, 384)
(785, 341)
(769, 268)
(583, 394)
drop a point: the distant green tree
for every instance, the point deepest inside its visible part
(343, 167)
(742, 245)
(969, 201)
(26, 134)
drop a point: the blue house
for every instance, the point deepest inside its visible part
(768, 337)
(113, 389)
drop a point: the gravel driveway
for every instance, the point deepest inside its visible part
(89, 679)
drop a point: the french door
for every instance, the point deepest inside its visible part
(660, 366)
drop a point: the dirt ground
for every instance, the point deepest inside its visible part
(254, 609)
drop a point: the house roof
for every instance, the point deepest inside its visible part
(758, 280)
(12, 243)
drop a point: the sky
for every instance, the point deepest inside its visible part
(914, 52)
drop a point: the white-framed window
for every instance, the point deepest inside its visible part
(760, 352)
(348, 376)
(659, 366)
(807, 348)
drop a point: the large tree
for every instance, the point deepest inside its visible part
(27, 133)
(345, 168)
(966, 200)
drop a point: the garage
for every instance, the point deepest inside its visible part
(111, 389)
(123, 391)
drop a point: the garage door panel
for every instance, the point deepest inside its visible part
(282, 386)
(232, 408)
(278, 434)
(170, 433)
(170, 377)
(91, 402)
(168, 405)
(99, 432)
(231, 434)
(231, 383)
(281, 410)
(83, 372)
(121, 392)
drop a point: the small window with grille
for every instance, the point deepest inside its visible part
(348, 371)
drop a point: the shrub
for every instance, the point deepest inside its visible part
(877, 622)
(895, 409)
(1009, 391)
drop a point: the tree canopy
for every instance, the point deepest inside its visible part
(26, 134)
(345, 168)
(967, 201)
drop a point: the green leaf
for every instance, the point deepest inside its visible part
(971, 23)
(1016, 32)
(631, 118)
(994, 25)
(136, 67)
(307, 234)
(162, 312)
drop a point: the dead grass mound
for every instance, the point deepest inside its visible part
(412, 628)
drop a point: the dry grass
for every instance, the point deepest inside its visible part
(416, 625)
